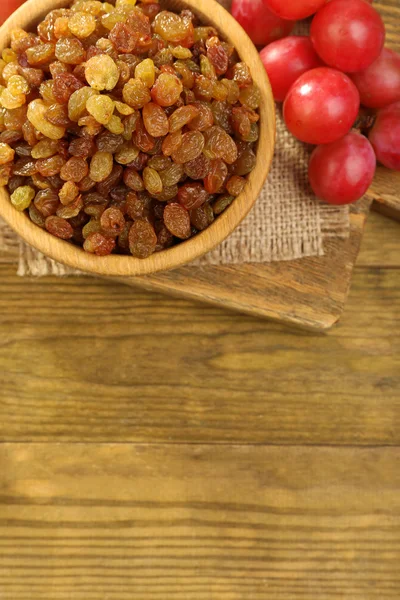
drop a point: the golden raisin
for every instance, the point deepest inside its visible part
(101, 72)
(22, 197)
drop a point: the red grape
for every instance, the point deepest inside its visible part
(341, 173)
(285, 60)
(260, 24)
(385, 136)
(348, 34)
(379, 85)
(7, 7)
(321, 106)
(294, 9)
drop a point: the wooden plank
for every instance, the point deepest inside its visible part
(310, 293)
(198, 523)
(385, 192)
(381, 243)
(92, 361)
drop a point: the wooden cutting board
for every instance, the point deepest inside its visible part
(386, 193)
(310, 293)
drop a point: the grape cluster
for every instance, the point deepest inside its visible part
(324, 79)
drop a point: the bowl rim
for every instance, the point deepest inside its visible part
(62, 251)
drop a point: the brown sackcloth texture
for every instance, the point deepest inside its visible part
(286, 223)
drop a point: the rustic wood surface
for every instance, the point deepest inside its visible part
(87, 360)
(153, 448)
(206, 522)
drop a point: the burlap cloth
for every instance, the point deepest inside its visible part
(286, 223)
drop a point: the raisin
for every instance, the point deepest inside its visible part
(165, 239)
(167, 90)
(222, 112)
(57, 114)
(112, 221)
(37, 116)
(135, 206)
(75, 169)
(218, 144)
(235, 185)
(142, 239)
(22, 197)
(222, 204)
(123, 238)
(126, 153)
(203, 88)
(77, 102)
(99, 244)
(50, 166)
(6, 153)
(250, 97)
(82, 147)
(101, 166)
(198, 168)
(82, 25)
(216, 177)
(240, 73)
(25, 167)
(123, 38)
(192, 195)
(191, 147)
(71, 210)
(155, 120)
(59, 227)
(182, 116)
(159, 162)
(202, 217)
(177, 220)
(152, 181)
(93, 226)
(104, 188)
(245, 162)
(101, 108)
(68, 193)
(172, 175)
(141, 138)
(102, 72)
(170, 26)
(136, 94)
(205, 118)
(70, 51)
(36, 217)
(172, 143)
(217, 55)
(133, 180)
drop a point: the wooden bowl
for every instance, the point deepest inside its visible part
(210, 12)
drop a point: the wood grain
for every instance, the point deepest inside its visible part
(91, 522)
(211, 12)
(385, 191)
(94, 361)
(310, 293)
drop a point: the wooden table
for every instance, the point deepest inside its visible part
(156, 449)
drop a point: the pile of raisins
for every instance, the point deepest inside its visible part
(124, 128)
